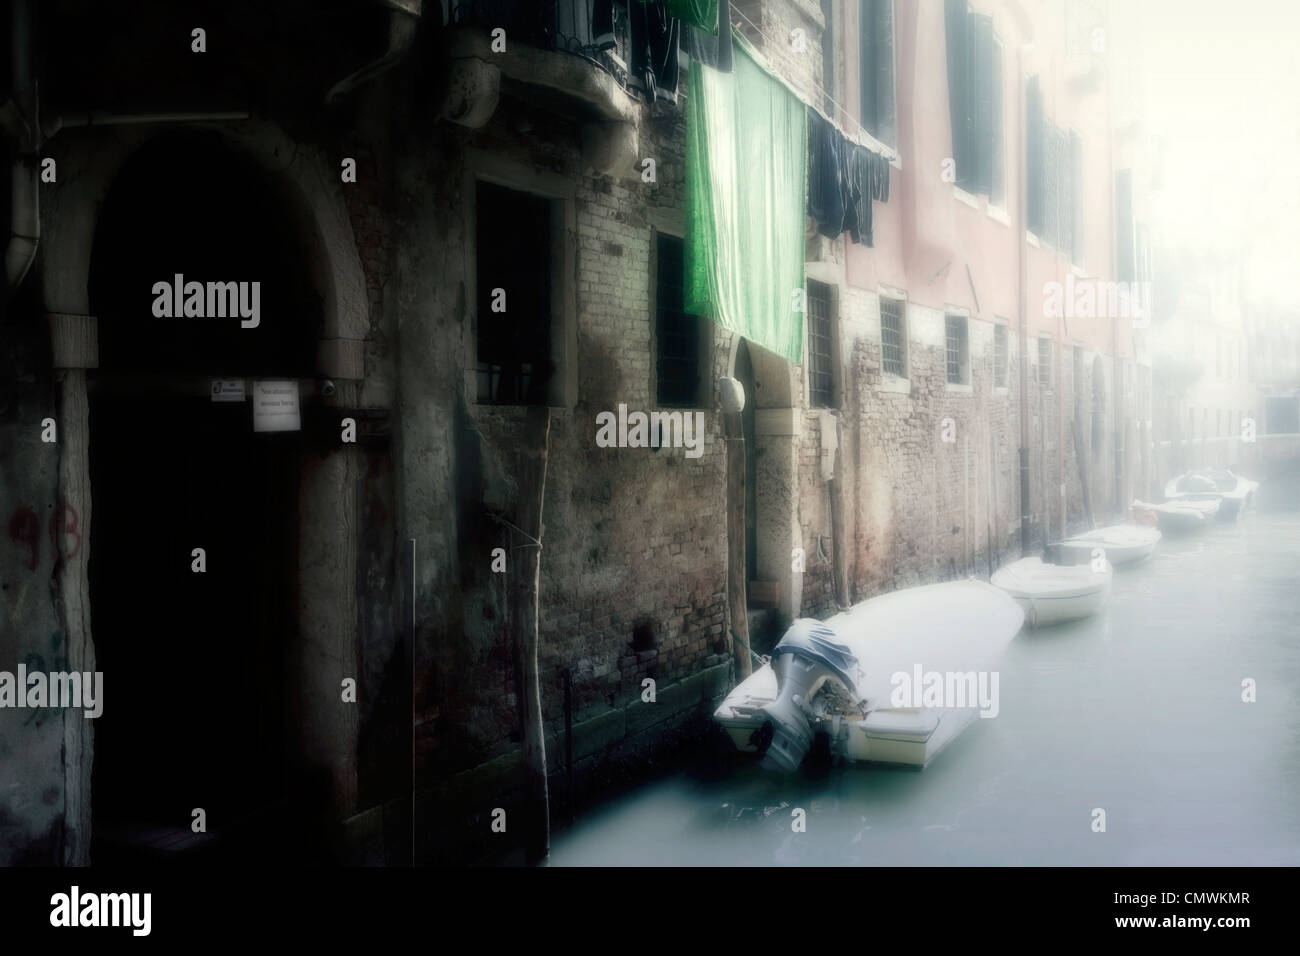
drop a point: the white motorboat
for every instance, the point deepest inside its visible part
(842, 678)
(1120, 544)
(1235, 492)
(1052, 593)
(1183, 515)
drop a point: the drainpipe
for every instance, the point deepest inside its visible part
(1023, 295)
(25, 216)
(403, 17)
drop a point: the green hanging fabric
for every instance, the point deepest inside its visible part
(746, 149)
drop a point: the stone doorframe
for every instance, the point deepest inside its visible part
(88, 161)
(778, 428)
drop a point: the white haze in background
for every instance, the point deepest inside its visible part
(1219, 88)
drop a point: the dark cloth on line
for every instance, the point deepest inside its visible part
(653, 61)
(868, 182)
(714, 51)
(828, 194)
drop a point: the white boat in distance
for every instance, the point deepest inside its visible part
(1121, 544)
(837, 678)
(1052, 593)
(1235, 492)
(1183, 515)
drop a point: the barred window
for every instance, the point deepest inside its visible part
(893, 337)
(1000, 356)
(1045, 361)
(677, 332)
(956, 349)
(821, 380)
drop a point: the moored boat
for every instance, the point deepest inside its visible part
(1183, 515)
(1120, 544)
(1053, 593)
(1235, 492)
(840, 678)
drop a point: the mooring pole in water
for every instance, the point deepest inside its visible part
(526, 560)
(733, 403)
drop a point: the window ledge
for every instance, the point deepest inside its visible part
(1031, 239)
(957, 387)
(894, 383)
(962, 195)
(998, 214)
(1001, 390)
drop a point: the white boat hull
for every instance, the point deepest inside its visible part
(1053, 594)
(961, 626)
(1121, 544)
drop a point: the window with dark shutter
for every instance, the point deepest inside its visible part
(821, 379)
(1034, 156)
(1125, 260)
(955, 348)
(514, 296)
(893, 338)
(876, 69)
(981, 121)
(997, 181)
(677, 332)
(1076, 197)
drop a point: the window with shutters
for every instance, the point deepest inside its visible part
(1075, 198)
(893, 337)
(1053, 178)
(997, 181)
(821, 331)
(1000, 356)
(1045, 361)
(956, 350)
(974, 99)
(876, 69)
(679, 336)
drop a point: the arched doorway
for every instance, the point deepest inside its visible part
(199, 665)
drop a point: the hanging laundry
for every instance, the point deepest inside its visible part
(655, 37)
(702, 14)
(710, 49)
(746, 147)
(828, 193)
(869, 182)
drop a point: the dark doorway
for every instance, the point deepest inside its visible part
(745, 375)
(200, 669)
(194, 664)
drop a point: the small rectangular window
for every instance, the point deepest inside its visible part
(893, 337)
(956, 349)
(1045, 361)
(514, 268)
(821, 378)
(677, 332)
(1000, 356)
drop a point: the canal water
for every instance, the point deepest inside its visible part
(1137, 712)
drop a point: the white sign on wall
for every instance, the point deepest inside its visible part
(275, 407)
(228, 390)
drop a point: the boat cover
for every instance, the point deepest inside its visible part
(815, 640)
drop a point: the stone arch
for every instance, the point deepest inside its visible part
(89, 161)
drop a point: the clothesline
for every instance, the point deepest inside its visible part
(861, 132)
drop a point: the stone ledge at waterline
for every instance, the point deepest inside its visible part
(628, 724)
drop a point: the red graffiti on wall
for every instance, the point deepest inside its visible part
(25, 528)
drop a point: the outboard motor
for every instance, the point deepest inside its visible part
(806, 657)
